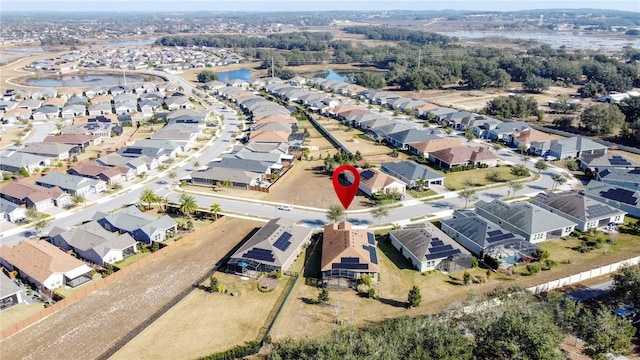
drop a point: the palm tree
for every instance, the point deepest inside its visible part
(421, 184)
(163, 201)
(188, 204)
(78, 200)
(148, 196)
(215, 209)
(558, 180)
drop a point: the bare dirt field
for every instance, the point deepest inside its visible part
(86, 329)
(204, 323)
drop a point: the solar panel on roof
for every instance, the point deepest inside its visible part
(494, 232)
(621, 195)
(436, 242)
(599, 210)
(440, 248)
(373, 256)
(371, 238)
(283, 241)
(367, 174)
(442, 255)
(350, 266)
(619, 160)
(492, 239)
(259, 254)
(349, 260)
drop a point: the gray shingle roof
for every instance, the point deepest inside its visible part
(275, 231)
(576, 205)
(427, 242)
(525, 216)
(478, 230)
(92, 236)
(66, 181)
(131, 219)
(410, 170)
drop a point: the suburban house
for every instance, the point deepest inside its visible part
(601, 162)
(162, 150)
(139, 225)
(10, 293)
(530, 221)
(347, 254)
(462, 156)
(11, 212)
(424, 148)
(459, 120)
(53, 150)
(177, 102)
(71, 111)
(141, 164)
(110, 174)
(428, 248)
(78, 140)
(44, 265)
(629, 179)
(526, 137)
(588, 213)
(505, 130)
(373, 182)
(410, 172)
(215, 176)
(13, 161)
(34, 196)
(93, 243)
(622, 198)
(100, 109)
(74, 185)
(273, 248)
(45, 112)
(576, 146)
(487, 240)
(403, 138)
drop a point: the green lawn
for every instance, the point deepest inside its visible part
(420, 194)
(456, 180)
(131, 259)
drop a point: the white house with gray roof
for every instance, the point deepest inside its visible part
(622, 198)
(10, 293)
(57, 151)
(586, 212)
(627, 178)
(410, 172)
(505, 130)
(530, 221)
(599, 162)
(274, 247)
(13, 161)
(429, 248)
(159, 149)
(72, 184)
(11, 212)
(92, 242)
(140, 226)
(576, 146)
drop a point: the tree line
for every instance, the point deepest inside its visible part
(521, 327)
(304, 41)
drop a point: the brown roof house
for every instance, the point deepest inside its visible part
(34, 196)
(109, 174)
(44, 265)
(462, 156)
(374, 181)
(347, 254)
(423, 148)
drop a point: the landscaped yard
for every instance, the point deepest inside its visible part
(66, 291)
(478, 177)
(420, 194)
(131, 259)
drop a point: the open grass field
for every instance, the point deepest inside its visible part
(204, 323)
(457, 180)
(9, 136)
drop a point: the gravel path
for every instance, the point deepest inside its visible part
(88, 328)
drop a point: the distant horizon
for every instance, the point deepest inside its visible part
(152, 6)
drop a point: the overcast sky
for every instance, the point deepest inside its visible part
(306, 5)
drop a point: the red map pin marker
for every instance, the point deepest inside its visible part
(346, 193)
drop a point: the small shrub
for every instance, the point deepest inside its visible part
(533, 269)
(371, 293)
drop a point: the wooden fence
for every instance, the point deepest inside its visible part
(88, 288)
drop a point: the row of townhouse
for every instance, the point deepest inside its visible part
(265, 155)
(121, 100)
